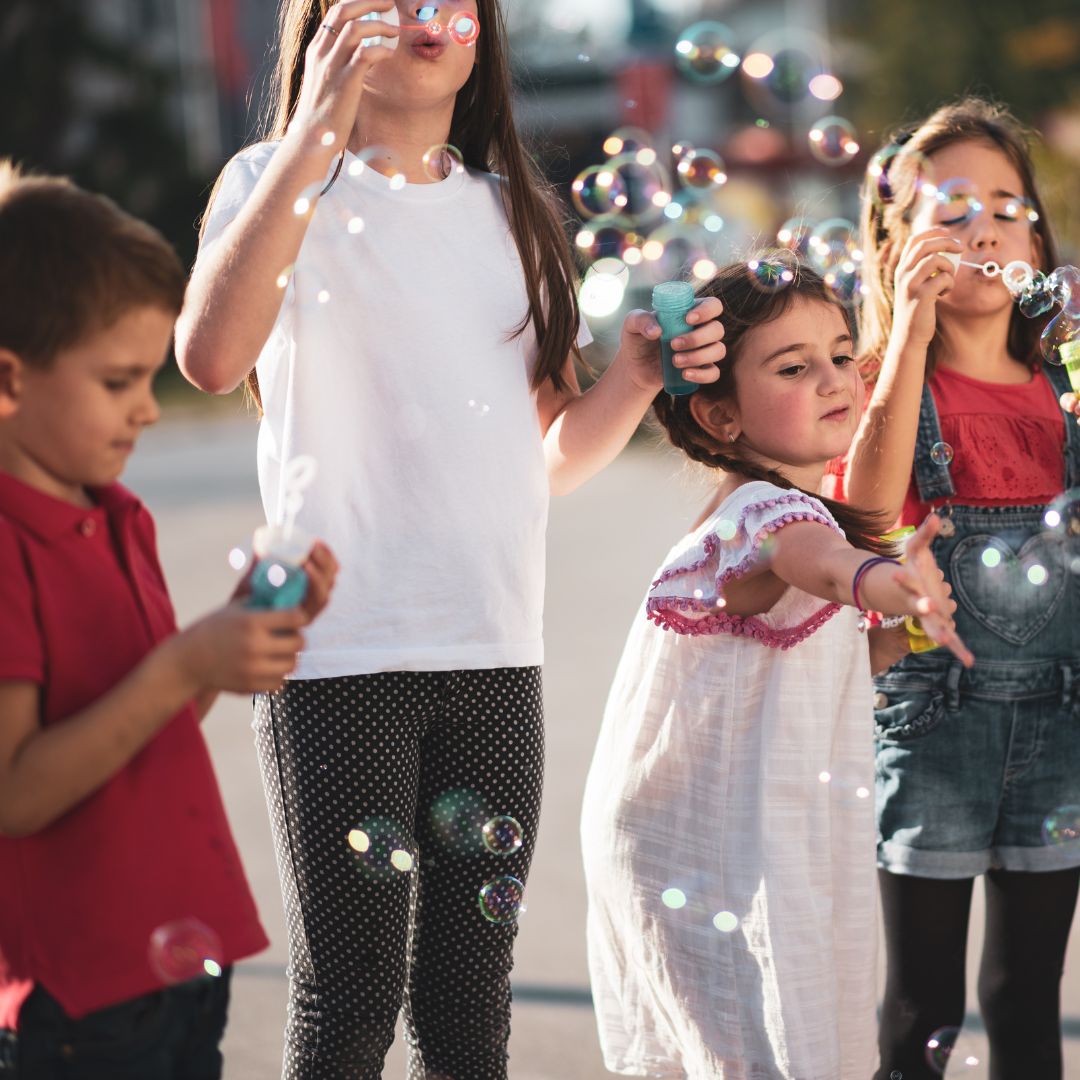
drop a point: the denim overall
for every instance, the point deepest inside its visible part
(980, 769)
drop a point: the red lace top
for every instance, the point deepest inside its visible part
(1007, 442)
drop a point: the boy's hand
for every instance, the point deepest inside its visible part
(697, 354)
(321, 568)
(922, 578)
(241, 650)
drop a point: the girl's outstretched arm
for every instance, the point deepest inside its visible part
(879, 468)
(233, 298)
(585, 432)
(814, 558)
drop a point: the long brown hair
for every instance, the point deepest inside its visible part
(890, 195)
(483, 130)
(746, 306)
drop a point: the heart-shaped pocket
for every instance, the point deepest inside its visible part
(1012, 593)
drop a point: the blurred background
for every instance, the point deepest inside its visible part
(680, 133)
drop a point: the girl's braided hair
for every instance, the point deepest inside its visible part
(748, 304)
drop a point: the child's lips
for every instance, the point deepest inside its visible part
(838, 414)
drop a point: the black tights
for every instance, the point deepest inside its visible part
(1028, 917)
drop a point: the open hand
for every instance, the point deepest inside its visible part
(922, 578)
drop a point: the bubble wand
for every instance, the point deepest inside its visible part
(279, 579)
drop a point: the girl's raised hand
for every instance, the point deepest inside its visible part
(923, 276)
(1071, 404)
(335, 66)
(922, 578)
(697, 354)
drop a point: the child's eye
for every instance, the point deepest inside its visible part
(961, 220)
(840, 361)
(793, 369)
(117, 385)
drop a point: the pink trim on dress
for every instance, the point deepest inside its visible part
(664, 610)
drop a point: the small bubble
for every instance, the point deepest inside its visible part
(381, 847)
(725, 921)
(698, 594)
(356, 225)
(725, 530)
(277, 575)
(862, 793)
(479, 408)
(323, 296)
(1037, 574)
(397, 181)
(503, 835)
(183, 950)
(832, 141)
(328, 138)
(991, 557)
(284, 277)
(673, 898)
(941, 453)
(237, 558)
(1062, 825)
(824, 776)
(502, 900)
(583, 58)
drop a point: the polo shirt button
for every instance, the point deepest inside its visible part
(88, 527)
(880, 700)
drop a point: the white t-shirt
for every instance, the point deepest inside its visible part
(393, 364)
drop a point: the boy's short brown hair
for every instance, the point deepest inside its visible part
(72, 263)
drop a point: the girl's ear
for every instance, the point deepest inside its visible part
(11, 368)
(718, 417)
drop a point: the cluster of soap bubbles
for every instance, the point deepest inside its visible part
(1037, 293)
(956, 1050)
(185, 949)
(688, 897)
(1062, 825)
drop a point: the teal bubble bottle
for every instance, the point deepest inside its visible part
(671, 301)
(278, 579)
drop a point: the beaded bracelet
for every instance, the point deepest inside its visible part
(861, 572)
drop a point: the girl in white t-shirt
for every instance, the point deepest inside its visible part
(728, 828)
(409, 320)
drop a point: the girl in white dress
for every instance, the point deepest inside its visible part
(728, 824)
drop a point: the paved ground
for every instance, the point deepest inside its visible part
(198, 477)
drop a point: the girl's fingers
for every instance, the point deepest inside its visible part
(704, 310)
(710, 354)
(705, 335)
(642, 323)
(346, 11)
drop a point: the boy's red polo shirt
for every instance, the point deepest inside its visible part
(82, 601)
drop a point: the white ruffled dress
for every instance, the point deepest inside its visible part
(728, 825)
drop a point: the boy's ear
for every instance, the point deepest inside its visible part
(11, 383)
(716, 416)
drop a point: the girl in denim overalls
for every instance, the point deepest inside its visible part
(964, 418)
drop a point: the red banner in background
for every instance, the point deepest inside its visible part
(645, 93)
(231, 65)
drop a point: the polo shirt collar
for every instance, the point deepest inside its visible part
(50, 518)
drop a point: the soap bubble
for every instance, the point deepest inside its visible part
(237, 558)
(953, 202)
(1062, 516)
(502, 900)
(701, 169)
(458, 818)
(895, 172)
(184, 949)
(991, 558)
(503, 835)
(955, 1050)
(442, 161)
(464, 29)
(941, 453)
(382, 847)
(1062, 825)
(595, 190)
(642, 183)
(307, 198)
(673, 250)
(795, 235)
(833, 141)
(673, 898)
(704, 54)
(603, 288)
(609, 239)
(832, 244)
(627, 140)
(780, 67)
(725, 921)
(769, 276)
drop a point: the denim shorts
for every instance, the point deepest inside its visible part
(980, 769)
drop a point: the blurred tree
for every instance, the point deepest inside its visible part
(85, 103)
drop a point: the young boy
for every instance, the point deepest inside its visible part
(119, 878)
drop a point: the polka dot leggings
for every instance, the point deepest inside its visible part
(404, 807)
